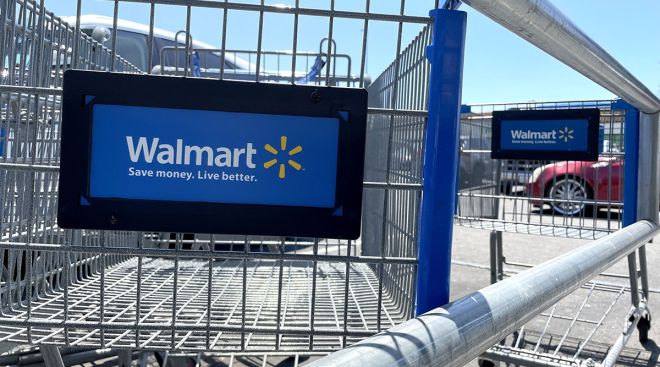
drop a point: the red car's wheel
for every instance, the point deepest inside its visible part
(568, 196)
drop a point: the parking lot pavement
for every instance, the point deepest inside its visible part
(470, 273)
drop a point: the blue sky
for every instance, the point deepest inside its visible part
(499, 66)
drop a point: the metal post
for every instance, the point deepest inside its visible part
(441, 156)
(52, 356)
(630, 184)
(634, 279)
(500, 256)
(124, 358)
(641, 176)
(647, 173)
(496, 257)
(643, 272)
(493, 257)
(648, 202)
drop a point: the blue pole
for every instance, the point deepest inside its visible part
(630, 159)
(440, 158)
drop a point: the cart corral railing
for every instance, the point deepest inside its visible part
(462, 330)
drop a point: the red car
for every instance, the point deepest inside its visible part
(565, 186)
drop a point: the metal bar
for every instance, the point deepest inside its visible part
(546, 27)
(631, 323)
(634, 279)
(52, 356)
(500, 255)
(392, 186)
(230, 5)
(205, 254)
(647, 172)
(459, 332)
(30, 90)
(125, 358)
(440, 156)
(493, 257)
(643, 272)
(396, 112)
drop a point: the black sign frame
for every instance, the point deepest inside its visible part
(82, 87)
(591, 115)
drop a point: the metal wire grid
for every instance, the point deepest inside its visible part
(276, 63)
(581, 326)
(80, 357)
(223, 325)
(396, 166)
(36, 49)
(245, 358)
(201, 292)
(502, 195)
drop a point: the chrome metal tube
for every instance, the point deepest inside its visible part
(648, 194)
(455, 334)
(543, 25)
(52, 356)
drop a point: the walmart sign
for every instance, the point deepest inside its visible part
(191, 155)
(569, 135)
(211, 156)
(547, 135)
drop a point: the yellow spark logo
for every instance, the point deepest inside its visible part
(289, 161)
(566, 134)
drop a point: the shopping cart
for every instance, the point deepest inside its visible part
(204, 293)
(506, 195)
(503, 196)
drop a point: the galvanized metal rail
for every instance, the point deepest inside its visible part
(460, 331)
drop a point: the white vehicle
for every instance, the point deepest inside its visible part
(170, 57)
(132, 43)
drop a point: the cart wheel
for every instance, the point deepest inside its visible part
(485, 363)
(643, 326)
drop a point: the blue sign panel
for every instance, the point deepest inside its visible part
(547, 135)
(567, 135)
(220, 157)
(167, 154)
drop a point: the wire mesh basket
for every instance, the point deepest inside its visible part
(551, 198)
(201, 292)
